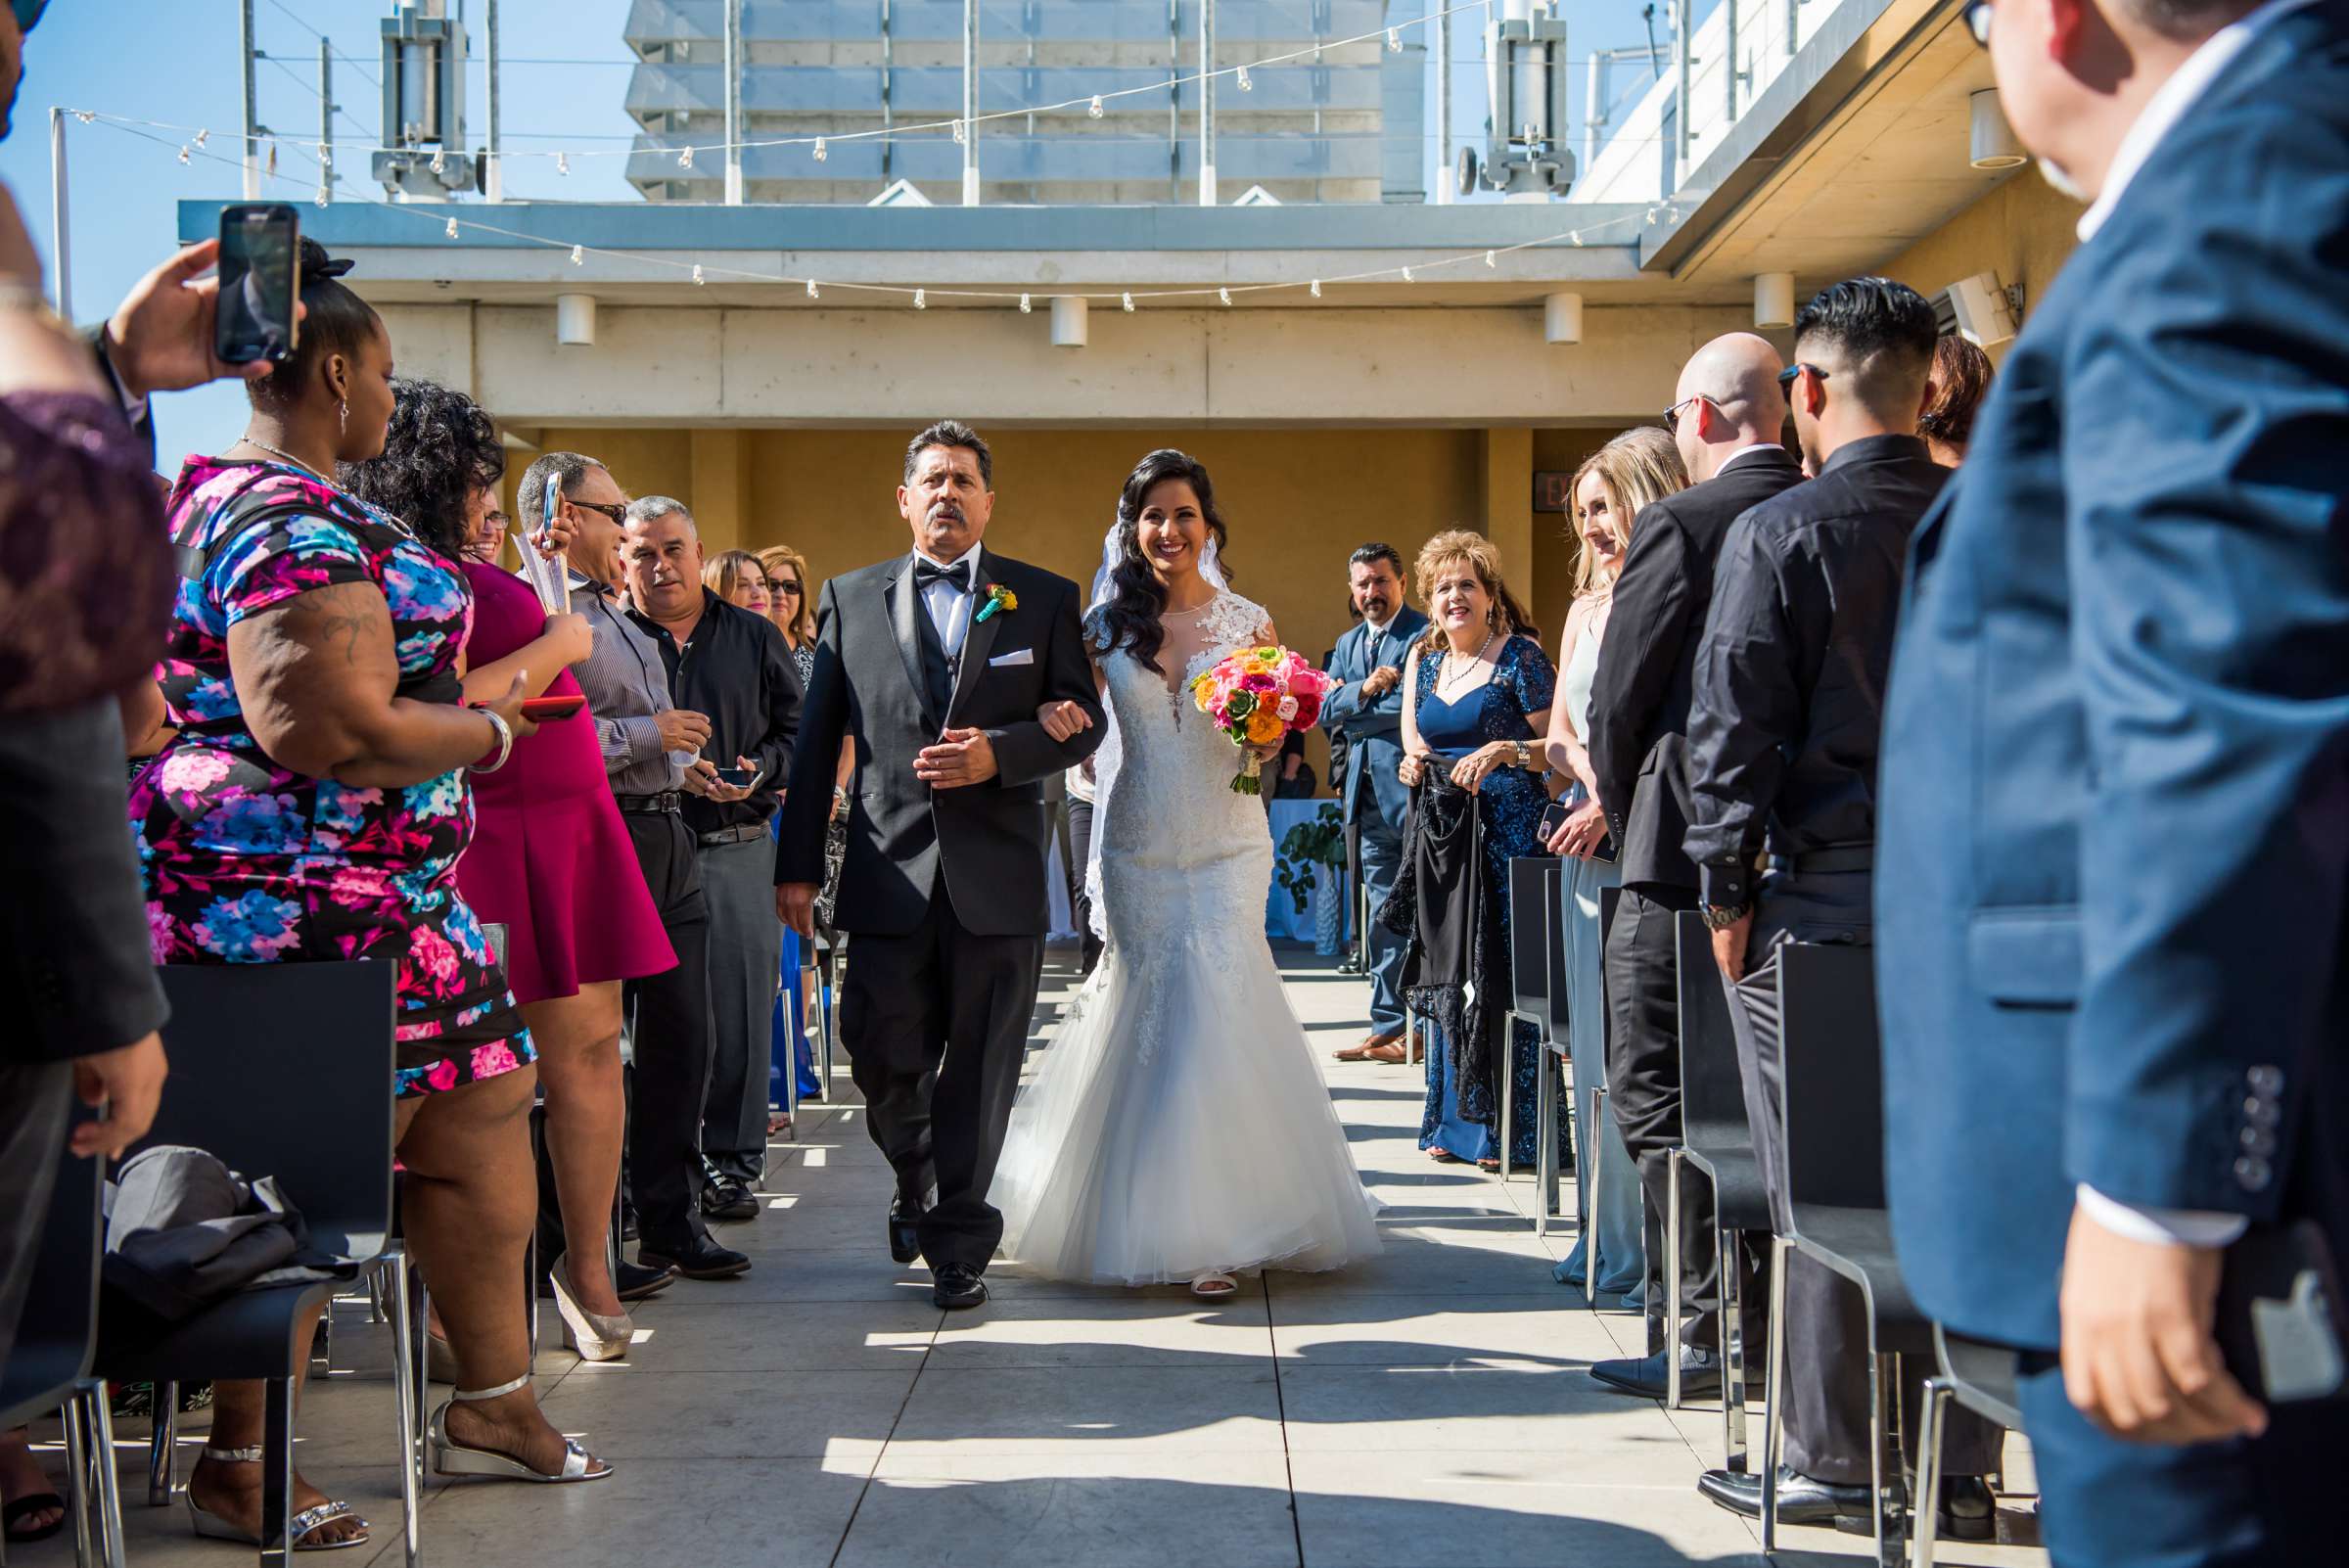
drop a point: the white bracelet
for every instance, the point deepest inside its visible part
(505, 740)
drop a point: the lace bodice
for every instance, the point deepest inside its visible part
(1179, 857)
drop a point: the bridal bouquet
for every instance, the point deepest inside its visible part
(1257, 696)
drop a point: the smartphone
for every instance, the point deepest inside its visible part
(539, 710)
(2280, 1324)
(1553, 817)
(738, 778)
(260, 245)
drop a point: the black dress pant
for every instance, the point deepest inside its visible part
(669, 1030)
(1828, 1405)
(935, 1022)
(1081, 853)
(1644, 1088)
(36, 1114)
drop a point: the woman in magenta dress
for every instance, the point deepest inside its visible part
(550, 860)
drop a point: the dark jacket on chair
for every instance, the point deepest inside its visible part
(1640, 692)
(2112, 878)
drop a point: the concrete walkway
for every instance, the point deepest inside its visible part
(1428, 1410)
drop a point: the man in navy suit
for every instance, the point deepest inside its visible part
(2114, 853)
(1367, 708)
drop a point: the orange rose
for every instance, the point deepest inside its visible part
(1265, 727)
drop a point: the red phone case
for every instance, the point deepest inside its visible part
(538, 708)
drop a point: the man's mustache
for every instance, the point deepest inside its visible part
(944, 510)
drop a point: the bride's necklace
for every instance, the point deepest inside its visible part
(1446, 678)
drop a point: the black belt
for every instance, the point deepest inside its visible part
(668, 803)
(1834, 857)
(733, 834)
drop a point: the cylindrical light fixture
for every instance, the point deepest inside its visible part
(1068, 322)
(1774, 300)
(1562, 318)
(574, 319)
(1989, 140)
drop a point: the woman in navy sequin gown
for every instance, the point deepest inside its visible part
(1481, 690)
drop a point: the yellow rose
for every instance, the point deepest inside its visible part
(1265, 727)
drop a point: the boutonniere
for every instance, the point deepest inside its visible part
(998, 597)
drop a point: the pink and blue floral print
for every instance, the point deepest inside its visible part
(247, 862)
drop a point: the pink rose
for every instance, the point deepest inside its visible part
(1286, 708)
(434, 955)
(191, 770)
(489, 1060)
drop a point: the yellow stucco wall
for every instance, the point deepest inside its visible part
(2020, 228)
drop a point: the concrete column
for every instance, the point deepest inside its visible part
(1507, 499)
(720, 499)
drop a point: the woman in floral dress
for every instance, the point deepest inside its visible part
(311, 807)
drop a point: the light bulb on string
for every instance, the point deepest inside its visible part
(561, 162)
(697, 279)
(1491, 259)
(85, 116)
(440, 160)
(326, 155)
(1027, 307)
(202, 136)
(452, 229)
(822, 151)
(958, 133)
(1316, 287)
(812, 290)
(1223, 295)
(1094, 109)
(1406, 276)
(579, 255)
(921, 300)
(1129, 299)
(1394, 40)
(183, 155)
(685, 157)
(1246, 85)
(320, 198)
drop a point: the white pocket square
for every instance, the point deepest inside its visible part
(1018, 656)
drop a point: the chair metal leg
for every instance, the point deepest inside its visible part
(277, 1474)
(406, 1396)
(162, 1446)
(1508, 1087)
(1733, 1349)
(1546, 1152)
(322, 1342)
(1586, 1177)
(79, 1440)
(1671, 1279)
(1774, 1395)
(1932, 1422)
(823, 999)
(1884, 1456)
(106, 1489)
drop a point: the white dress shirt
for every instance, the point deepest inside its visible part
(949, 607)
(2177, 1228)
(1748, 451)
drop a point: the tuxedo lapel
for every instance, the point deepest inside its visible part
(904, 605)
(978, 640)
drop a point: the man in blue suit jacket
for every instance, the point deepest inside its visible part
(1367, 708)
(2114, 855)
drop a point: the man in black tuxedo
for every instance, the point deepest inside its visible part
(1727, 418)
(936, 663)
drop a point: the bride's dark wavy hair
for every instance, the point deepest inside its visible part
(1130, 619)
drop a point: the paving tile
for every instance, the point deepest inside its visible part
(731, 1335)
(778, 1513)
(1076, 1410)
(1117, 1331)
(1367, 1408)
(1548, 1331)
(632, 1414)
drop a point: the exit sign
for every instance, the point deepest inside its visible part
(1553, 491)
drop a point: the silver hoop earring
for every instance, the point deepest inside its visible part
(342, 411)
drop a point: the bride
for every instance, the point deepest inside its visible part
(1178, 1129)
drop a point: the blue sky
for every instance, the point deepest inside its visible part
(565, 72)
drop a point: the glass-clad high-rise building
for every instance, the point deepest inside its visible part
(1341, 122)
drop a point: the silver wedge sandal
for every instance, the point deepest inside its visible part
(303, 1525)
(455, 1458)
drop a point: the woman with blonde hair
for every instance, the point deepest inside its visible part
(1479, 689)
(736, 577)
(1610, 489)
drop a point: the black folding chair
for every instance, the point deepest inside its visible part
(1717, 1142)
(1833, 1105)
(1533, 909)
(280, 1070)
(1558, 1059)
(56, 1342)
(1982, 1377)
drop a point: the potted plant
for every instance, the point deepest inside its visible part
(1310, 855)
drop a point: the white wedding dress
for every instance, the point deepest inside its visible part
(1179, 1124)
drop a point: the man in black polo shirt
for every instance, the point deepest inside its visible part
(735, 667)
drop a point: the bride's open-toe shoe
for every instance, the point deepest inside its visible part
(457, 1459)
(1214, 1286)
(304, 1527)
(595, 1336)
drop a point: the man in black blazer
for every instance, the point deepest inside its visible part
(936, 663)
(1726, 417)
(2115, 788)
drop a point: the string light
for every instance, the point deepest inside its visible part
(1246, 85)
(321, 197)
(85, 116)
(1094, 109)
(1223, 295)
(1406, 276)
(1316, 287)
(921, 300)
(325, 155)
(1026, 307)
(183, 155)
(685, 157)
(440, 160)
(697, 279)
(202, 136)
(452, 229)
(1129, 299)
(1491, 259)
(958, 133)
(561, 162)
(1394, 40)
(579, 255)
(820, 151)
(811, 292)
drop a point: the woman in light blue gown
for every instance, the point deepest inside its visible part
(1613, 485)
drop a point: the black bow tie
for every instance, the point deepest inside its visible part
(959, 574)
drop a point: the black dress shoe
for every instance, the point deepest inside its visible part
(633, 1281)
(703, 1258)
(958, 1287)
(1700, 1373)
(630, 1230)
(1801, 1499)
(728, 1198)
(1967, 1511)
(905, 1231)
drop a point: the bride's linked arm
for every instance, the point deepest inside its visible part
(1025, 752)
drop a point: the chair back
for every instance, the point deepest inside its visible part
(1533, 910)
(1988, 1376)
(57, 1336)
(1713, 1118)
(1833, 1076)
(1557, 1022)
(285, 1069)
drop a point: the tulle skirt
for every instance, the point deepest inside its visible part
(1180, 1125)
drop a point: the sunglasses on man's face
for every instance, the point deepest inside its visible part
(1977, 21)
(1671, 415)
(613, 510)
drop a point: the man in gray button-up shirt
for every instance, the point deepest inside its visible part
(650, 750)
